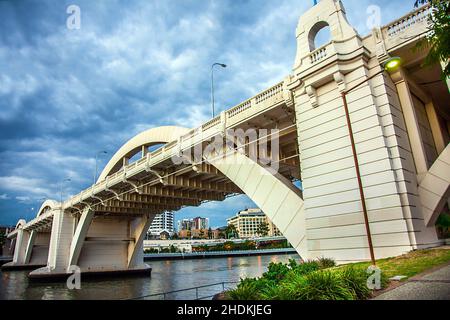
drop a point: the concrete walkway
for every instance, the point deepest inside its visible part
(431, 286)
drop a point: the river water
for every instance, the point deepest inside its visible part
(166, 276)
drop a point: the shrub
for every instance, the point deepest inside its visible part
(276, 292)
(322, 285)
(305, 267)
(384, 280)
(246, 290)
(276, 272)
(293, 285)
(355, 279)
(325, 263)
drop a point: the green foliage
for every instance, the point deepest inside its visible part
(151, 250)
(443, 221)
(310, 280)
(326, 262)
(276, 271)
(355, 278)
(307, 281)
(246, 290)
(305, 267)
(438, 38)
(443, 225)
(231, 231)
(322, 285)
(274, 292)
(263, 229)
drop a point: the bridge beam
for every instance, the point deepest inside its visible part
(201, 185)
(411, 122)
(21, 247)
(111, 211)
(150, 200)
(275, 195)
(29, 248)
(139, 228)
(60, 242)
(171, 192)
(434, 189)
(80, 235)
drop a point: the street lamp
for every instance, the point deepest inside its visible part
(61, 189)
(96, 164)
(212, 83)
(390, 65)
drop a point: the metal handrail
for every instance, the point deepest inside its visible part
(165, 294)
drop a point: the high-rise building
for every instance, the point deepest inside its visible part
(162, 226)
(247, 223)
(197, 223)
(200, 223)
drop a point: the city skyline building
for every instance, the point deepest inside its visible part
(248, 221)
(197, 223)
(162, 225)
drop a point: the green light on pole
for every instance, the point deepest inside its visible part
(392, 64)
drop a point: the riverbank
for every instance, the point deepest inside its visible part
(315, 281)
(167, 276)
(216, 254)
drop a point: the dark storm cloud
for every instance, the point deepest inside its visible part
(66, 94)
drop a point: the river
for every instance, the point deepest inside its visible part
(166, 276)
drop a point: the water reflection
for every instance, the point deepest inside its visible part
(166, 276)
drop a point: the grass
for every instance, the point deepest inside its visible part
(320, 279)
(412, 263)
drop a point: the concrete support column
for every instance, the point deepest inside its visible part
(12, 245)
(138, 230)
(439, 135)
(29, 248)
(144, 152)
(21, 247)
(80, 235)
(60, 241)
(411, 122)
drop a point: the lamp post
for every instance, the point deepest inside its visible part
(61, 189)
(212, 83)
(96, 163)
(390, 65)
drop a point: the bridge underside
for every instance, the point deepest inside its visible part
(400, 124)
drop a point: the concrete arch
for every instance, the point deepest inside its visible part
(313, 32)
(275, 195)
(434, 188)
(48, 204)
(20, 223)
(146, 139)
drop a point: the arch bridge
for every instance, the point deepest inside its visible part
(401, 133)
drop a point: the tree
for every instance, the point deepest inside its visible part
(210, 233)
(263, 229)
(2, 241)
(438, 38)
(201, 234)
(231, 230)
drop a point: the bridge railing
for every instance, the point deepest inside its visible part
(407, 28)
(194, 292)
(271, 96)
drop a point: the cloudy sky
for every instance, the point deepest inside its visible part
(66, 94)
